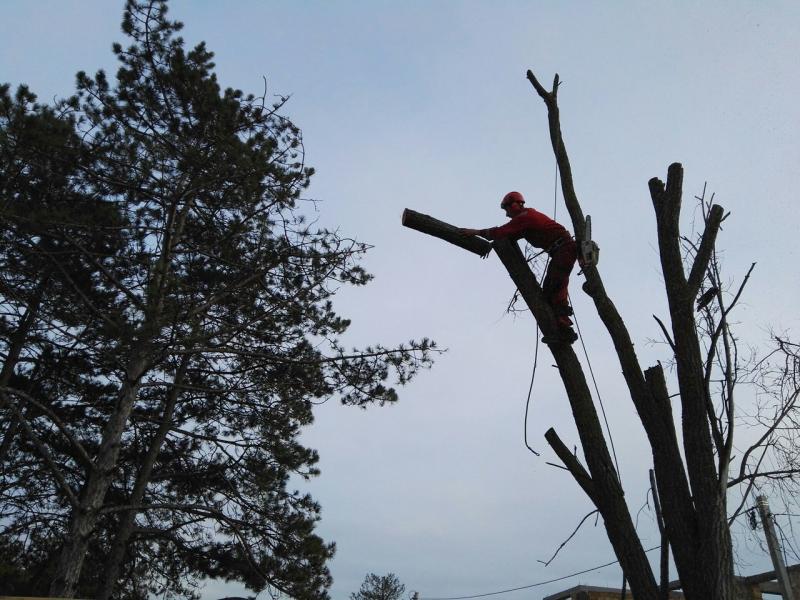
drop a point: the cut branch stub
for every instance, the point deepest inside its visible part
(445, 231)
(572, 464)
(706, 248)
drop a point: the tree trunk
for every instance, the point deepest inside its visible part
(83, 521)
(602, 482)
(695, 518)
(608, 495)
(128, 519)
(692, 499)
(712, 568)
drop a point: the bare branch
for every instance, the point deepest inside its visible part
(571, 463)
(703, 254)
(665, 332)
(566, 541)
(776, 422)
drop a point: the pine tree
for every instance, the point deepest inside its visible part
(380, 587)
(187, 329)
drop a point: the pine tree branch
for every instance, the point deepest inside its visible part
(83, 456)
(43, 452)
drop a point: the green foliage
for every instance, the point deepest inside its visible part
(167, 308)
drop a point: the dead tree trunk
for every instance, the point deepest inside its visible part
(693, 511)
(601, 482)
(692, 495)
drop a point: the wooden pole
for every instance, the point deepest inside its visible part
(774, 549)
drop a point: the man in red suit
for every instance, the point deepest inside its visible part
(541, 232)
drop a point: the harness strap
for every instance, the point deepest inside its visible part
(555, 246)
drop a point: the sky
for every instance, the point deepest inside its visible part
(425, 105)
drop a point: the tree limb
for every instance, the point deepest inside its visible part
(666, 333)
(82, 454)
(571, 463)
(449, 233)
(43, 451)
(703, 254)
(566, 541)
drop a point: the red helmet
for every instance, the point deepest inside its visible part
(510, 198)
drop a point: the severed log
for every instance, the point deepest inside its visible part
(445, 231)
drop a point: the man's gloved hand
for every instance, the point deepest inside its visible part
(473, 232)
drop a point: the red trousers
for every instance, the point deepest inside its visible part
(556, 278)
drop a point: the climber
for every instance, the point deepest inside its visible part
(541, 232)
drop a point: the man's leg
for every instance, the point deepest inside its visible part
(556, 281)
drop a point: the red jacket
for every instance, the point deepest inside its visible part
(539, 229)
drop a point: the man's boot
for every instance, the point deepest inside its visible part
(564, 335)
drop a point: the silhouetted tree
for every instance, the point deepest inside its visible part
(168, 324)
(694, 472)
(379, 587)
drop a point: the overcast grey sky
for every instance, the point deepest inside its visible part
(425, 105)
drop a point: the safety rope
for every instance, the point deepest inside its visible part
(597, 391)
(585, 353)
(536, 349)
(530, 387)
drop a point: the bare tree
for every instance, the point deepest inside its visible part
(693, 477)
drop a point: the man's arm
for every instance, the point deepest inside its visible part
(515, 228)
(472, 232)
(469, 232)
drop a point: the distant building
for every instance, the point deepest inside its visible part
(753, 587)
(593, 592)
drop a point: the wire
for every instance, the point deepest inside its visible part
(532, 585)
